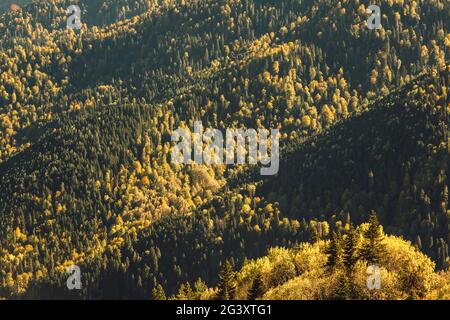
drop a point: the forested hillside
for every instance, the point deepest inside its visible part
(327, 270)
(86, 118)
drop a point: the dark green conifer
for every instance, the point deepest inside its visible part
(227, 282)
(334, 251)
(257, 290)
(373, 247)
(350, 256)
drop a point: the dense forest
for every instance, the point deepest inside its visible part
(86, 176)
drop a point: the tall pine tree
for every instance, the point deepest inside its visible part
(373, 247)
(227, 282)
(257, 290)
(351, 249)
(334, 251)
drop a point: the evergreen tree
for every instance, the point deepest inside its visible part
(257, 290)
(227, 283)
(334, 251)
(350, 256)
(373, 248)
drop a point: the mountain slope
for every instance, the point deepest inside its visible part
(86, 119)
(305, 273)
(393, 159)
(95, 218)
